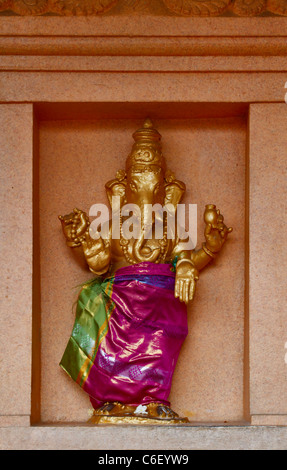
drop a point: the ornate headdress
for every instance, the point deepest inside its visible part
(147, 149)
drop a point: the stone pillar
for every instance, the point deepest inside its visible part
(268, 263)
(16, 151)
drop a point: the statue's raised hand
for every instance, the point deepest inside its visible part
(185, 279)
(215, 230)
(74, 226)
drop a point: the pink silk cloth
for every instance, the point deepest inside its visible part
(146, 325)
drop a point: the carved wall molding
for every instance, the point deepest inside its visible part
(197, 7)
(277, 6)
(80, 7)
(30, 7)
(192, 8)
(60, 7)
(249, 8)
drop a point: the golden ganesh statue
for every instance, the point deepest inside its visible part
(131, 319)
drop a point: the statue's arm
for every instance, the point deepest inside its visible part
(97, 252)
(199, 258)
(189, 263)
(215, 237)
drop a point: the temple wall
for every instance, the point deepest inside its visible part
(72, 91)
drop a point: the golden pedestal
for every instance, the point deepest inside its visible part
(153, 413)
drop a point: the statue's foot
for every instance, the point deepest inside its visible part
(120, 413)
(114, 408)
(159, 411)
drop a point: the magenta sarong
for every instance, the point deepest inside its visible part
(127, 352)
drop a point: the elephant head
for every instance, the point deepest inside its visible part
(145, 183)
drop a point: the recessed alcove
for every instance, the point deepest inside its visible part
(73, 91)
(78, 148)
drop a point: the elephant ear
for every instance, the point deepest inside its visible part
(117, 187)
(174, 190)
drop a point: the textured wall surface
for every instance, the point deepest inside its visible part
(268, 299)
(215, 88)
(16, 153)
(207, 155)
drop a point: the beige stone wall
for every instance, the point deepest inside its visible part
(268, 329)
(73, 89)
(16, 262)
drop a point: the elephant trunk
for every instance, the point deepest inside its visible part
(141, 257)
(139, 243)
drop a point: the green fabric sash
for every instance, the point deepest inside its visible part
(94, 309)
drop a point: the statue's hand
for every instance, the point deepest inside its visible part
(74, 227)
(185, 279)
(216, 234)
(97, 254)
(93, 247)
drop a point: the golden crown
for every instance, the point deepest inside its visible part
(147, 149)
